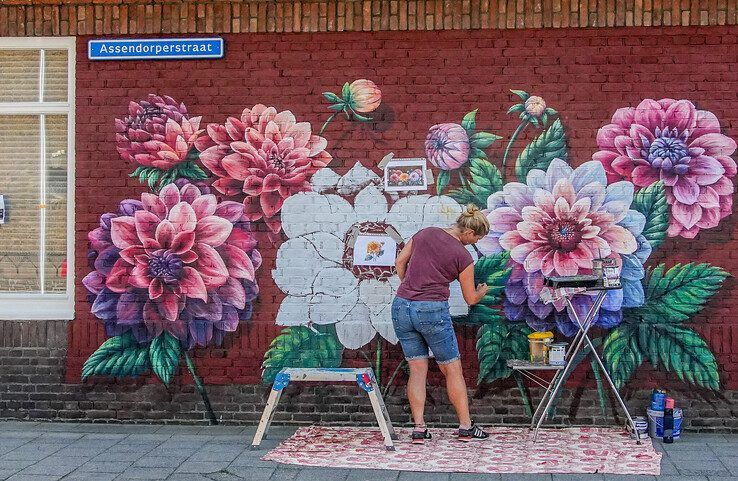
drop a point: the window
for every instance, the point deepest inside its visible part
(37, 178)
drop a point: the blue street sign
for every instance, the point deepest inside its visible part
(155, 48)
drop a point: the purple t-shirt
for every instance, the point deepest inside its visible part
(436, 260)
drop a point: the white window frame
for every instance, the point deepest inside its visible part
(32, 305)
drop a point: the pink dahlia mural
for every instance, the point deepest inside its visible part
(672, 142)
(178, 262)
(265, 154)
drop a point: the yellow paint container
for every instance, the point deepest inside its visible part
(539, 342)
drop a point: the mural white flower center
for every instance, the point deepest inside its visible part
(314, 266)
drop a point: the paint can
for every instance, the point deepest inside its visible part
(539, 343)
(656, 423)
(658, 398)
(641, 425)
(556, 354)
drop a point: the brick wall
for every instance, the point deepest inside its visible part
(426, 78)
(104, 17)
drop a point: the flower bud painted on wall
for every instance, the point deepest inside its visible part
(447, 146)
(365, 96)
(535, 106)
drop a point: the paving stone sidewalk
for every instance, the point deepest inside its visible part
(103, 452)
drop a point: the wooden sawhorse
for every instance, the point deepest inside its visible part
(364, 377)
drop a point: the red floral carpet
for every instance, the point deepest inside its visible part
(509, 450)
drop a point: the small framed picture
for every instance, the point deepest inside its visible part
(375, 250)
(405, 175)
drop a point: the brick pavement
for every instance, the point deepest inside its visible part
(32, 451)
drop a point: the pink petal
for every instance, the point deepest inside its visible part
(728, 164)
(706, 169)
(271, 203)
(146, 223)
(117, 280)
(565, 190)
(624, 117)
(521, 253)
(531, 231)
(561, 208)
(188, 257)
(139, 277)
(723, 186)
(210, 266)
(238, 263)
(153, 204)
(686, 190)
(687, 215)
(620, 239)
(583, 256)
(229, 210)
(204, 206)
(710, 218)
(169, 195)
(606, 136)
(242, 239)
(192, 284)
(649, 114)
(164, 234)
(715, 144)
(190, 193)
(708, 198)
(564, 264)
(504, 219)
(213, 230)
(301, 133)
(272, 182)
(706, 123)
(253, 185)
(156, 289)
(183, 217)
(123, 232)
(233, 293)
(212, 157)
(511, 239)
(236, 166)
(129, 254)
(182, 242)
(228, 186)
(681, 114)
(167, 305)
(643, 176)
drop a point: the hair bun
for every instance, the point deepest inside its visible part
(470, 210)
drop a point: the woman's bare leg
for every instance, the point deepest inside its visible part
(457, 393)
(416, 389)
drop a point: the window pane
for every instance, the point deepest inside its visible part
(19, 75)
(19, 184)
(56, 203)
(55, 76)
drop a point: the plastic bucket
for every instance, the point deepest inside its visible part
(656, 423)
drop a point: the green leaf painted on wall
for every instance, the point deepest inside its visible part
(675, 295)
(484, 180)
(482, 140)
(498, 342)
(651, 202)
(621, 354)
(680, 350)
(442, 181)
(469, 122)
(119, 356)
(299, 346)
(493, 271)
(549, 145)
(164, 353)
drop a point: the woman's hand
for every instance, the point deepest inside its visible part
(472, 295)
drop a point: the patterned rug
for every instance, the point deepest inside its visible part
(509, 450)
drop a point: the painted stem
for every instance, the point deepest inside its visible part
(333, 116)
(393, 376)
(600, 388)
(200, 389)
(513, 138)
(523, 393)
(378, 363)
(461, 179)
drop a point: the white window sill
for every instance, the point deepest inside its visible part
(25, 307)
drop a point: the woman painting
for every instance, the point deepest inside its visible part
(428, 263)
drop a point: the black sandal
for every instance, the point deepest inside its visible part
(474, 433)
(419, 437)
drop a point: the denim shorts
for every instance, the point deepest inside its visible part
(420, 325)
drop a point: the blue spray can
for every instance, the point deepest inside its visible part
(658, 398)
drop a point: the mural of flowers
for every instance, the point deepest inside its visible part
(159, 135)
(266, 155)
(357, 98)
(555, 225)
(321, 289)
(374, 250)
(673, 142)
(406, 177)
(178, 262)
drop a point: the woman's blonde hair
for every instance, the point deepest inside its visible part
(473, 218)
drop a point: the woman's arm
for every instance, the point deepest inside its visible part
(472, 295)
(403, 259)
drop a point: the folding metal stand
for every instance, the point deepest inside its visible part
(364, 377)
(557, 382)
